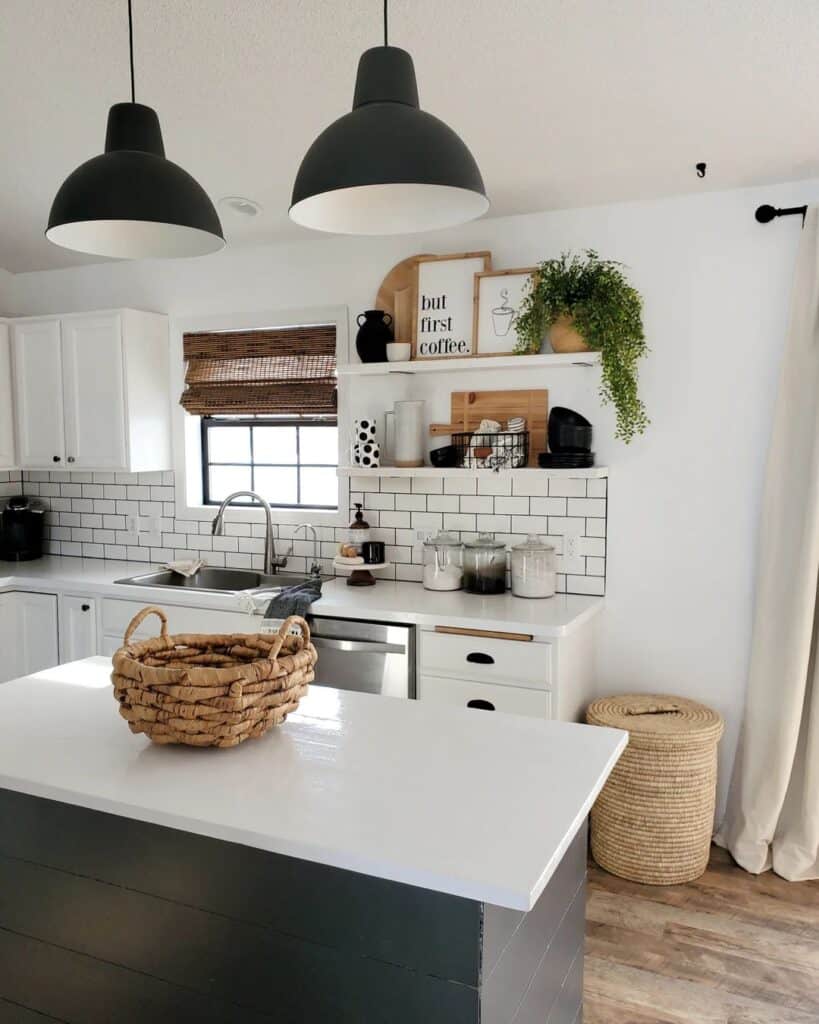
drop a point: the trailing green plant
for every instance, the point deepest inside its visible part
(607, 311)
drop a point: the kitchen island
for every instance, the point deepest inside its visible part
(372, 860)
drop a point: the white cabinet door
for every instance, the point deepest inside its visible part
(7, 457)
(28, 634)
(78, 628)
(9, 654)
(38, 389)
(37, 631)
(94, 392)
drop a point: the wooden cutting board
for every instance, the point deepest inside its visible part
(468, 408)
(396, 296)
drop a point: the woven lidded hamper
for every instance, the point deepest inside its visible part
(653, 820)
(211, 690)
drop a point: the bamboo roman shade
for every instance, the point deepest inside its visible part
(287, 370)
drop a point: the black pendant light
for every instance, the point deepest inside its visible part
(387, 167)
(130, 202)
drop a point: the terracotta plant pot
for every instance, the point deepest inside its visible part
(564, 338)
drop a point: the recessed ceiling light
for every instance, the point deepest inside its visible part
(238, 204)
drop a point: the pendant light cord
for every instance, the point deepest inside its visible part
(131, 47)
(385, 22)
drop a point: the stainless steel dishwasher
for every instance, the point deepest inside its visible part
(369, 657)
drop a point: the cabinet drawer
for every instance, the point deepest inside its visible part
(487, 659)
(117, 614)
(464, 693)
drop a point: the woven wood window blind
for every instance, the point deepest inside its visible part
(288, 371)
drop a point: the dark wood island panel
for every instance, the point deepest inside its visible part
(104, 918)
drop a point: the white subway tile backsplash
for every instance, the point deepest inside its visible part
(396, 484)
(443, 502)
(566, 487)
(533, 484)
(400, 520)
(594, 508)
(87, 516)
(477, 503)
(427, 485)
(493, 524)
(456, 521)
(518, 506)
(460, 485)
(595, 585)
(547, 506)
(380, 501)
(494, 484)
(411, 502)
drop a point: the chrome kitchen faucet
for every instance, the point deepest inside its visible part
(272, 564)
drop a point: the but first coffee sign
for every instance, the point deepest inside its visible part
(444, 307)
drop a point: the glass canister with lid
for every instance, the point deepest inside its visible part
(443, 562)
(485, 565)
(533, 568)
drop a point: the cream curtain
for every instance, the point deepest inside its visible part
(772, 818)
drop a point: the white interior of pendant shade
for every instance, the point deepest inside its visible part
(393, 209)
(134, 239)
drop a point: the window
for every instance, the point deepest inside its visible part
(267, 401)
(291, 462)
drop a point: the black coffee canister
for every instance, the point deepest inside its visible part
(374, 332)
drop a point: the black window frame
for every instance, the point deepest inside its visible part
(207, 422)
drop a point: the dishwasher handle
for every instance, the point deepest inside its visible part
(358, 646)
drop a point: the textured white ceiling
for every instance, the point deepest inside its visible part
(563, 102)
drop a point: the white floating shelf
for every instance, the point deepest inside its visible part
(595, 472)
(549, 360)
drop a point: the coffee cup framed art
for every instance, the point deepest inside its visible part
(444, 314)
(498, 295)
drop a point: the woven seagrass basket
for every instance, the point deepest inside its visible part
(211, 691)
(653, 820)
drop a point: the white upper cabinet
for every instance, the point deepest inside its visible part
(38, 394)
(92, 391)
(8, 459)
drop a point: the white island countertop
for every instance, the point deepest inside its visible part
(453, 800)
(387, 601)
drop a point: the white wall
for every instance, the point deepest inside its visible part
(683, 506)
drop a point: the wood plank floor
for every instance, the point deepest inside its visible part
(729, 948)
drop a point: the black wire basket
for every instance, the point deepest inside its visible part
(504, 450)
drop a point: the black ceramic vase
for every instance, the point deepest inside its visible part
(374, 331)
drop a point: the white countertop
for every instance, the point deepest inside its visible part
(387, 601)
(475, 805)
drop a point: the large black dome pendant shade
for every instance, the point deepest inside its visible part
(131, 202)
(387, 167)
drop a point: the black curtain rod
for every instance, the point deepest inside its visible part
(765, 214)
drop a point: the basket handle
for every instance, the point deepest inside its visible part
(140, 617)
(284, 629)
(655, 708)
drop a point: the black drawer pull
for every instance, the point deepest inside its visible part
(480, 659)
(86, 607)
(482, 705)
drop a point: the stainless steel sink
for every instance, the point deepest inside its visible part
(214, 580)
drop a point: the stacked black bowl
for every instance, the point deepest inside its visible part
(570, 441)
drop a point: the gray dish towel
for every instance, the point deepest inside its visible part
(294, 600)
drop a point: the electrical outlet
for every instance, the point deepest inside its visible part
(571, 545)
(132, 523)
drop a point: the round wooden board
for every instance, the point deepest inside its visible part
(400, 278)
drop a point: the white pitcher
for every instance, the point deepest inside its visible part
(409, 433)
